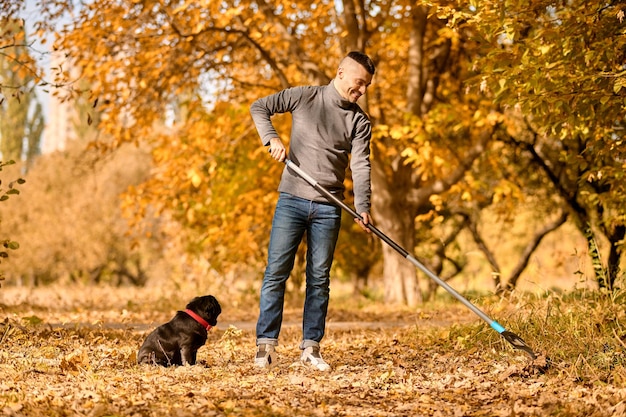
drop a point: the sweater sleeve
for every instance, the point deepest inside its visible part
(361, 167)
(264, 108)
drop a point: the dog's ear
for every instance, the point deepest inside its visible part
(194, 304)
(213, 309)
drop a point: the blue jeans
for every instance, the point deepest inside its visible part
(293, 217)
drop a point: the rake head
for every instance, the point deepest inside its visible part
(518, 343)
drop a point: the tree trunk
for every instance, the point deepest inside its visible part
(395, 219)
(400, 280)
(615, 236)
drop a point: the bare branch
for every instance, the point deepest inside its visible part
(531, 246)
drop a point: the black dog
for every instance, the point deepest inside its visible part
(177, 341)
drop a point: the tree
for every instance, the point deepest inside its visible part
(69, 224)
(210, 181)
(429, 132)
(438, 140)
(7, 243)
(550, 67)
(23, 123)
(172, 49)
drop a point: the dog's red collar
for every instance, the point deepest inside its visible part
(199, 319)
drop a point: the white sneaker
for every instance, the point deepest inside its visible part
(311, 357)
(265, 356)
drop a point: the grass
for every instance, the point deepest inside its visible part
(582, 332)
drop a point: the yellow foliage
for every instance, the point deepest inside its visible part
(181, 76)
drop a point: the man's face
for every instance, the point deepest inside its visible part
(352, 80)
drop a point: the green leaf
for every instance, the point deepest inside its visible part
(33, 320)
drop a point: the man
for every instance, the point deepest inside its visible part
(327, 126)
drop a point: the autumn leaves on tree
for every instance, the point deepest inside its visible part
(482, 110)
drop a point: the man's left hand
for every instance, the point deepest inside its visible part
(366, 220)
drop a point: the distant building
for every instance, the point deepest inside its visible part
(60, 115)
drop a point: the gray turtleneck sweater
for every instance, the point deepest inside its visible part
(325, 129)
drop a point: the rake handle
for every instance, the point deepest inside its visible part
(291, 165)
(512, 338)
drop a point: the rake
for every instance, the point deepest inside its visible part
(510, 337)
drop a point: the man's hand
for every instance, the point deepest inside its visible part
(366, 220)
(277, 149)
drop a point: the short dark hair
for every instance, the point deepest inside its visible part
(364, 60)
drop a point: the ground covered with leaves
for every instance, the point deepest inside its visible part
(73, 353)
